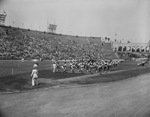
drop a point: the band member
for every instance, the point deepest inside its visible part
(100, 67)
(81, 67)
(109, 64)
(34, 75)
(54, 66)
(72, 66)
(91, 67)
(57, 66)
(65, 66)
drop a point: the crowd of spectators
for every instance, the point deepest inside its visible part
(21, 43)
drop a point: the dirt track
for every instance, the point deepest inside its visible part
(126, 98)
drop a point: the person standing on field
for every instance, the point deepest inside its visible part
(65, 66)
(54, 66)
(34, 75)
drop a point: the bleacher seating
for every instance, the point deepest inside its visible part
(16, 43)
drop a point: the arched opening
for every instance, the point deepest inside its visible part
(138, 50)
(120, 48)
(147, 48)
(128, 48)
(142, 49)
(124, 48)
(133, 49)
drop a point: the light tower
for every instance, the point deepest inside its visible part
(2, 18)
(51, 28)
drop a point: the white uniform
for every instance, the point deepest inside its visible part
(34, 76)
(64, 66)
(54, 67)
(72, 66)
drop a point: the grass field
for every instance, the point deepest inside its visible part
(15, 75)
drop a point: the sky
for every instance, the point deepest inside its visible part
(128, 19)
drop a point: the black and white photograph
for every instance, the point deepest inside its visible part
(74, 58)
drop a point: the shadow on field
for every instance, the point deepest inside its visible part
(2, 113)
(14, 82)
(23, 81)
(112, 77)
(57, 75)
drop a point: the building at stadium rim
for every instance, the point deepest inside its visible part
(3, 18)
(131, 47)
(51, 28)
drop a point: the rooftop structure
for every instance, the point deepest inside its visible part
(2, 18)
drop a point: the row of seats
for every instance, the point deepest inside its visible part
(21, 43)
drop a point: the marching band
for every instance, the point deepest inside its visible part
(83, 66)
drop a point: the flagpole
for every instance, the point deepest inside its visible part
(116, 36)
(47, 24)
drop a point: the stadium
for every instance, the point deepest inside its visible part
(78, 76)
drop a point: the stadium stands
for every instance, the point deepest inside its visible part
(16, 43)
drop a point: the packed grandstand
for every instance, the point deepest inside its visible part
(17, 43)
